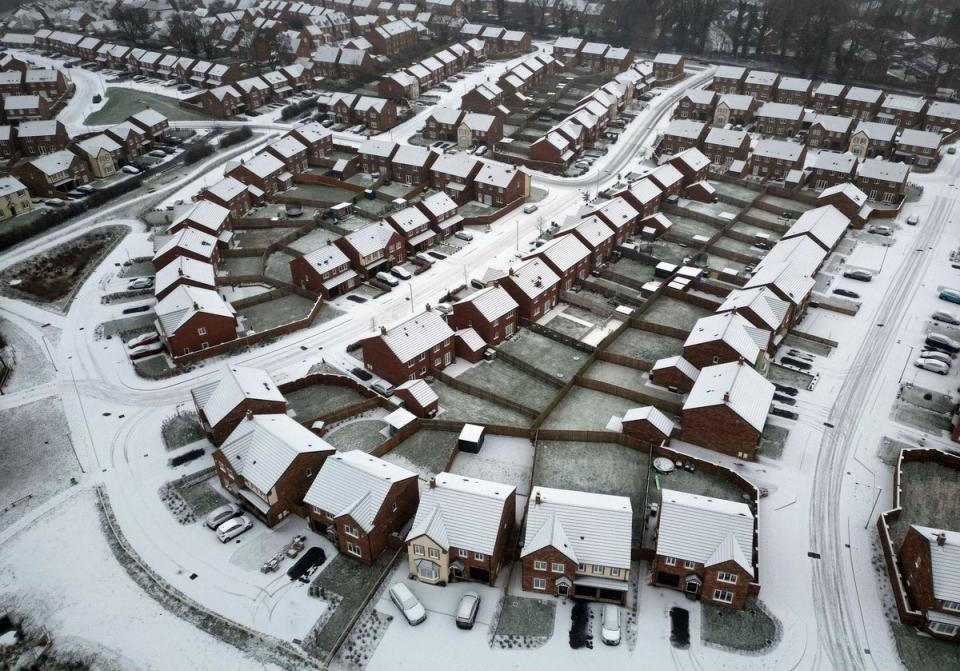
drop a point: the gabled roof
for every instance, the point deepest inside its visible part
(421, 391)
(533, 277)
(236, 385)
(903, 103)
(496, 174)
(592, 230)
(326, 258)
(227, 189)
(645, 191)
(736, 101)
(678, 362)
(564, 252)
(826, 225)
(794, 84)
(685, 128)
(781, 111)
(184, 267)
(586, 527)
(726, 138)
(847, 189)
(370, 239)
(264, 164)
(356, 484)
(417, 334)
(705, 530)
(492, 303)
(878, 132)
(618, 212)
(833, 123)
(206, 216)
(462, 512)
(835, 162)
(877, 168)
(51, 164)
(263, 447)
(944, 562)
(736, 386)
(782, 150)
(189, 239)
(650, 414)
(770, 309)
(860, 94)
(730, 72)
(729, 328)
(183, 303)
(829, 89)
(378, 148)
(457, 165)
(920, 138)
(409, 219)
(761, 78)
(693, 158)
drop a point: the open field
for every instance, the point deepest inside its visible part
(320, 399)
(276, 312)
(123, 102)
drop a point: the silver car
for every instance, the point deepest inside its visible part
(467, 610)
(222, 514)
(610, 624)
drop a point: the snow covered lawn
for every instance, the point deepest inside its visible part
(548, 355)
(363, 434)
(320, 399)
(29, 363)
(458, 406)
(587, 410)
(502, 459)
(929, 495)
(37, 456)
(499, 377)
(675, 313)
(645, 345)
(750, 630)
(523, 616)
(425, 452)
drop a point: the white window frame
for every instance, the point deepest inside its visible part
(350, 531)
(729, 578)
(478, 556)
(615, 572)
(556, 567)
(688, 564)
(434, 553)
(723, 596)
(952, 605)
(539, 583)
(539, 565)
(670, 561)
(943, 628)
(598, 569)
(463, 553)
(354, 549)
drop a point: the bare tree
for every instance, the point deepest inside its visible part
(133, 22)
(266, 49)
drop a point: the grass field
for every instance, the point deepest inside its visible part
(320, 399)
(122, 102)
(930, 496)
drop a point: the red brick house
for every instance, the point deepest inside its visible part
(552, 148)
(222, 102)
(773, 159)
(734, 109)
(476, 128)
(491, 312)
(206, 216)
(373, 248)
(729, 79)
(597, 236)
(191, 243)
(265, 172)
(566, 256)
(762, 308)
(942, 115)
(577, 544)
(829, 132)
(358, 500)
(414, 225)
(667, 68)
(832, 168)
(692, 164)
(761, 84)
(620, 216)
(724, 337)
(455, 175)
(398, 86)
(644, 196)
(861, 103)
(411, 164)
(696, 104)
(828, 97)
(229, 193)
(920, 147)
(927, 560)
(268, 463)
(723, 146)
(880, 180)
(443, 547)
(534, 286)
(46, 81)
(872, 139)
(377, 156)
(291, 152)
(53, 174)
(41, 137)
(850, 200)
(325, 271)
(154, 124)
(794, 91)
(443, 213)
(442, 124)
(132, 139)
(419, 346)
(706, 548)
(190, 320)
(779, 119)
(904, 111)
(499, 184)
(183, 270)
(317, 139)
(25, 108)
(222, 404)
(682, 134)
(726, 410)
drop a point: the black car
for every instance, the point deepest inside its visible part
(859, 275)
(361, 373)
(356, 299)
(847, 293)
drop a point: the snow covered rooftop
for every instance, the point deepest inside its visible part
(826, 225)
(417, 334)
(189, 239)
(356, 484)
(236, 385)
(761, 78)
(832, 123)
(685, 128)
(227, 189)
(735, 385)
(835, 162)
(678, 362)
(729, 328)
(877, 168)
(183, 303)
(326, 258)
(650, 414)
(723, 137)
(913, 137)
(533, 277)
(492, 303)
(462, 512)
(185, 268)
(760, 301)
(370, 239)
(421, 391)
(781, 111)
(263, 447)
(564, 252)
(587, 528)
(944, 562)
(204, 215)
(705, 530)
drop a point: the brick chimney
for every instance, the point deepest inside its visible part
(941, 539)
(383, 330)
(433, 483)
(510, 272)
(429, 309)
(249, 414)
(726, 397)
(538, 500)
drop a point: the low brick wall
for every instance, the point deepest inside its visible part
(814, 338)
(486, 219)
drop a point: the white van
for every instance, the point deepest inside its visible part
(388, 279)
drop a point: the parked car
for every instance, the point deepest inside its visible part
(946, 317)
(846, 293)
(932, 365)
(139, 283)
(881, 230)
(942, 342)
(408, 604)
(144, 351)
(426, 258)
(233, 528)
(383, 388)
(467, 610)
(529, 209)
(54, 202)
(97, 98)
(913, 220)
(143, 339)
(157, 153)
(86, 189)
(401, 273)
(859, 275)
(937, 355)
(464, 235)
(477, 284)
(950, 295)
(220, 515)
(361, 373)
(388, 279)
(184, 87)
(76, 193)
(130, 170)
(481, 150)
(610, 624)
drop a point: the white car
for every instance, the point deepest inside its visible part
(932, 365)
(529, 209)
(936, 355)
(388, 279)
(222, 514)
(467, 610)
(940, 341)
(143, 339)
(130, 170)
(139, 283)
(233, 528)
(145, 351)
(610, 624)
(408, 604)
(464, 235)
(401, 273)
(946, 317)
(157, 153)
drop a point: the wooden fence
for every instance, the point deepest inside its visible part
(467, 388)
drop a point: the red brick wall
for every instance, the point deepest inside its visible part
(550, 555)
(718, 428)
(186, 339)
(225, 426)
(711, 354)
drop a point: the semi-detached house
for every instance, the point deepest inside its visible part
(241, 390)
(567, 257)
(373, 248)
(534, 286)
(491, 312)
(325, 271)
(190, 320)
(419, 346)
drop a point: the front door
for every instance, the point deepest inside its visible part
(562, 590)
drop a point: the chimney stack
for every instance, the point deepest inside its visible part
(249, 414)
(510, 271)
(726, 397)
(537, 501)
(429, 309)
(383, 330)
(941, 539)
(433, 483)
